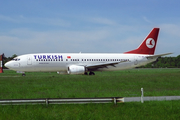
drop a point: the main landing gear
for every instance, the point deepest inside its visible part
(90, 73)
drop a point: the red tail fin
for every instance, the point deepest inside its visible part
(148, 45)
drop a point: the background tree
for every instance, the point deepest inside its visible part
(164, 62)
(6, 59)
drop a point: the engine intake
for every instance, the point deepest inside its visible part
(75, 69)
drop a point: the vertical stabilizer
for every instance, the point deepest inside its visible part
(148, 45)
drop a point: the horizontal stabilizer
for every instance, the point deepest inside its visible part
(155, 56)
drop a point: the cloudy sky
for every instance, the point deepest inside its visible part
(87, 26)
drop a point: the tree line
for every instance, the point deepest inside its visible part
(161, 62)
(164, 62)
(6, 59)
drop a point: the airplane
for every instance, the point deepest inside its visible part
(84, 63)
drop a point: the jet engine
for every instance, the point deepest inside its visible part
(75, 69)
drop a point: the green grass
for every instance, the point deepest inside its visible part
(127, 83)
(154, 110)
(156, 82)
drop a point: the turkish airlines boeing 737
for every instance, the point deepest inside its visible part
(82, 63)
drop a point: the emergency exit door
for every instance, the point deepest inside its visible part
(29, 60)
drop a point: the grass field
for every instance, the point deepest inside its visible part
(127, 83)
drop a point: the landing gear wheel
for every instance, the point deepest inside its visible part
(91, 73)
(23, 74)
(85, 73)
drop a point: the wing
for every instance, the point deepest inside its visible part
(102, 65)
(156, 56)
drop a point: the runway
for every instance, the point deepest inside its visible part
(158, 98)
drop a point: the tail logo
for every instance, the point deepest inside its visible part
(150, 43)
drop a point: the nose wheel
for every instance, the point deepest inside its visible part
(23, 74)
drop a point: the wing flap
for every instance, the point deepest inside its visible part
(103, 65)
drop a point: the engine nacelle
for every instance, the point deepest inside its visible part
(75, 69)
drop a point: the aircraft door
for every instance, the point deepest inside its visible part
(29, 60)
(135, 60)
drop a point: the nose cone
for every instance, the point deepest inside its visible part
(13, 65)
(8, 65)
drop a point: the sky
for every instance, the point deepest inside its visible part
(87, 26)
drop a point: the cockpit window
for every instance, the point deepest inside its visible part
(16, 59)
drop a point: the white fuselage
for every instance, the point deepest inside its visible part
(61, 61)
(81, 63)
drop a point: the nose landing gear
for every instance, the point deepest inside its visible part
(23, 74)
